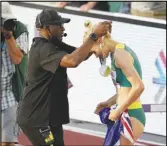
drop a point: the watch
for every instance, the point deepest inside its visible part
(93, 36)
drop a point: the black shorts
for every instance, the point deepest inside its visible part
(37, 138)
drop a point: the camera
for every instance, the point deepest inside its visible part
(8, 24)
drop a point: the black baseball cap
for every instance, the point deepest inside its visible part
(50, 17)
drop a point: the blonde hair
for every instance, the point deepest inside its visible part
(89, 28)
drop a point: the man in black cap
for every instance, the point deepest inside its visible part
(44, 108)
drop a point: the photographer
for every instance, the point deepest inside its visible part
(14, 48)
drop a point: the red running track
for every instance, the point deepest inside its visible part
(71, 138)
(77, 139)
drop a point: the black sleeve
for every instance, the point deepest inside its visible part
(67, 48)
(50, 57)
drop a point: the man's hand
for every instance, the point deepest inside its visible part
(96, 49)
(14, 52)
(100, 106)
(102, 28)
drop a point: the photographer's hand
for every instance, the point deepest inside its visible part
(3, 30)
(6, 33)
(14, 51)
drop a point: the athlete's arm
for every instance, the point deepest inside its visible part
(112, 100)
(125, 62)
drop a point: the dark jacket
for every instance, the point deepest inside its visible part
(19, 77)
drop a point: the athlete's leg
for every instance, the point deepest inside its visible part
(138, 129)
(124, 141)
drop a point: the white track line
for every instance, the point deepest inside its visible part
(102, 134)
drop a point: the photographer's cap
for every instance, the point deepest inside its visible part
(50, 17)
(6, 12)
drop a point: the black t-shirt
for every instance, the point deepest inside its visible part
(45, 99)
